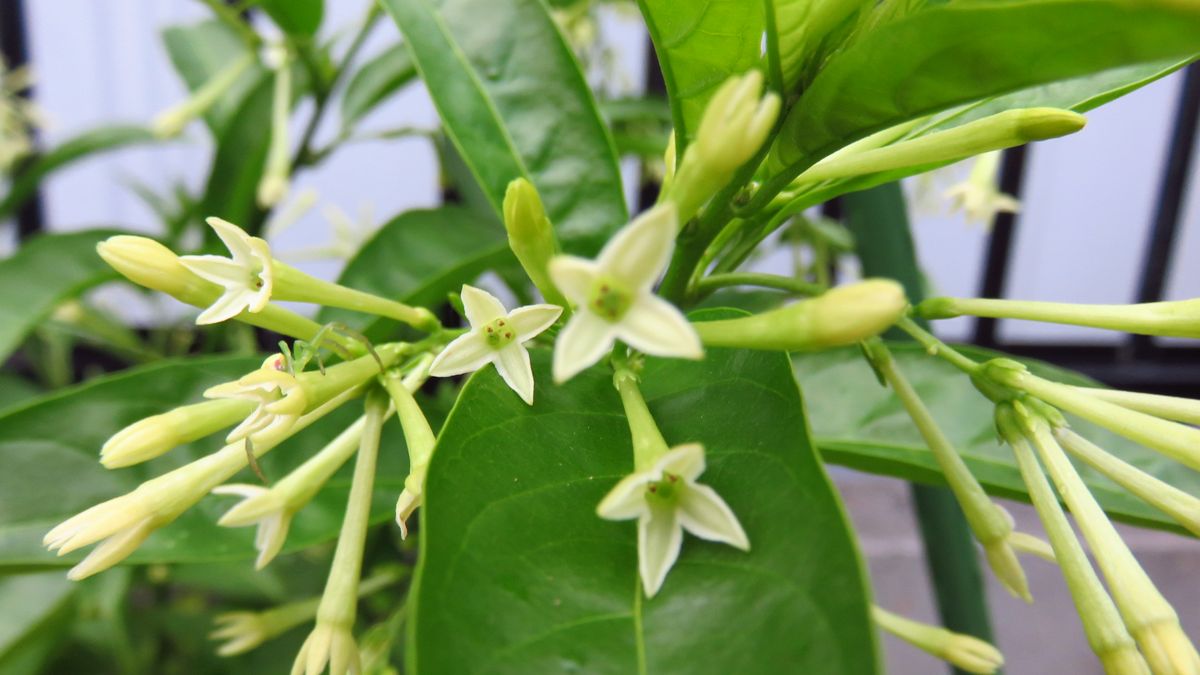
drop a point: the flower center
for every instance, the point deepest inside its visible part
(499, 333)
(664, 491)
(609, 300)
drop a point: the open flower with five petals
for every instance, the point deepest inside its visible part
(247, 275)
(496, 336)
(666, 500)
(280, 397)
(615, 298)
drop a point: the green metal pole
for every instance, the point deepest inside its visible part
(879, 220)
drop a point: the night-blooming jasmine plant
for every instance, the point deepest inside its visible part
(978, 196)
(496, 336)
(614, 298)
(663, 495)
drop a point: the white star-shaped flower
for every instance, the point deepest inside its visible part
(666, 500)
(280, 397)
(247, 275)
(614, 298)
(496, 336)
(263, 507)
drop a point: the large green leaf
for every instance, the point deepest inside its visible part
(49, 467)
(418, 258)
(515, 104)
(201, 50)
(33, 611)
(101, 139)
(45, 271)
(376, 80)
(699, 45)
(860, 424)
(518, 575)
(296, 17)
(963, 52)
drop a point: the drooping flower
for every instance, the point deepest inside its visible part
(666, 500)
(273, 521)
(615, 298)
(979, 197)
(963, 651)
(279, 396)
(247, 275)
(496, 336)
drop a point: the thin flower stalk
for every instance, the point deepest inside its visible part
(991, 525)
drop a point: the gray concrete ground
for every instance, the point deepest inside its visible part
(1044, 638)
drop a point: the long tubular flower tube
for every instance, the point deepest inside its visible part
(990, 524)
(1102, 624)
(1179, 505)
(1174, 408)
(1176, 318)
(331, 641)
(126, 521)
(1149, 617)
(171, 121)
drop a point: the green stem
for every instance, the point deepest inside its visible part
(879, 221)
(936, 347)
(789, 284)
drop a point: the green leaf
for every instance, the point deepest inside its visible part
(699, 45)
(640, 126)
(963, 52)
(201, 50)
(418, 258)
(375, 81)
(45, 271)
(238, 164)
(33, 611)
(295, 17)
(518, 575)
(15, 390)
(860, 424)
(515, 104)
(1080, 94)
(101, 139)
(49, 468)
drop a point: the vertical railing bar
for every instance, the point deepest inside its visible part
(1171, 194)
(1000, 243)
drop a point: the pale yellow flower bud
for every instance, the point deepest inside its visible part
(842, 316)
(531, 236)
(963, 651)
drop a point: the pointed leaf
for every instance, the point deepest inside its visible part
(515, 104)
(519, 575)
